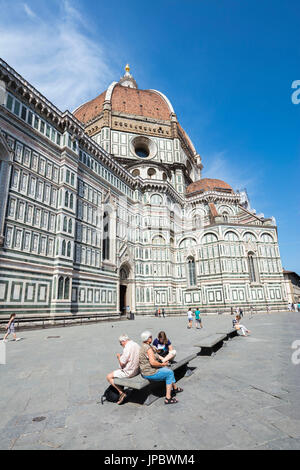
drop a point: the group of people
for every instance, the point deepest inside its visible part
(238, 311)
(295, 307)
(198, 320)
(160, 312)
(151, 359)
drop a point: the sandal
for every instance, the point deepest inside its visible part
(122, 398)
(170, 401)
(178, 390)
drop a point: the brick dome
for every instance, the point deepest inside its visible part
(146, 103)
(88, 111)
(208, 184)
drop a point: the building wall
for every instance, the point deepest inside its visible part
(171, 254)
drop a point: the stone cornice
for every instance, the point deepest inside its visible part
(213, 196)
(162, 187)
(66, 121)
(17, 84)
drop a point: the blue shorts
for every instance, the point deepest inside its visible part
(163, 374)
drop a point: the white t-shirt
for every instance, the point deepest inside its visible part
(130, 358)
(190, 314)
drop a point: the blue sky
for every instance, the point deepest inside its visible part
(227, 67)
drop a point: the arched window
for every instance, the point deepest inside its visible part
(156, 199)
(67, 288)
(231, 236)
(60, 288)
(209, 238)
(191, 271)
(63, 248)
(69, 249)
(65, 226)
(252, 267)
(67, 198)
(105, 242)
(187, 242)
(70, 226)
(249, 236)
(267, 238)
(158, 240)
(71, 201)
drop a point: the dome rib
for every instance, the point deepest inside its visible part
(209, 184)
(146, 103)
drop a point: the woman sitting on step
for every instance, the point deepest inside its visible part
(164, 347)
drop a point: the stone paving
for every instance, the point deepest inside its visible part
(244, 397)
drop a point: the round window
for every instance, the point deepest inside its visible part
(143, 147)
(151, 172)
(142, 152)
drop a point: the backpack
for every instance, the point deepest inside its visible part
(110, 394)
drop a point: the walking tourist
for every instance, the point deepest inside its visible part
(190, 318)
(198, 319)
(11, 328)
(129, 364)
(152, 369)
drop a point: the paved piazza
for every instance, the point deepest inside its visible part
(244, 397)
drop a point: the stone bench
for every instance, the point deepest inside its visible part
(208, 344)
(140, 384)
(229, 333)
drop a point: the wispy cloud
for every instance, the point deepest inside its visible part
(55, 50)
(28, 11)
(221, 166)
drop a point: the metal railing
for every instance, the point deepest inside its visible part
(68, 320)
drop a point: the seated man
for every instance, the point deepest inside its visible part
(129, 364)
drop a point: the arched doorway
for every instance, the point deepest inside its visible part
(126, 290)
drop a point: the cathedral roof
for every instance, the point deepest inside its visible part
(125, 97)
(86, 112)
(208, 184)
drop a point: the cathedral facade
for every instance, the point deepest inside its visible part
(105, 210)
